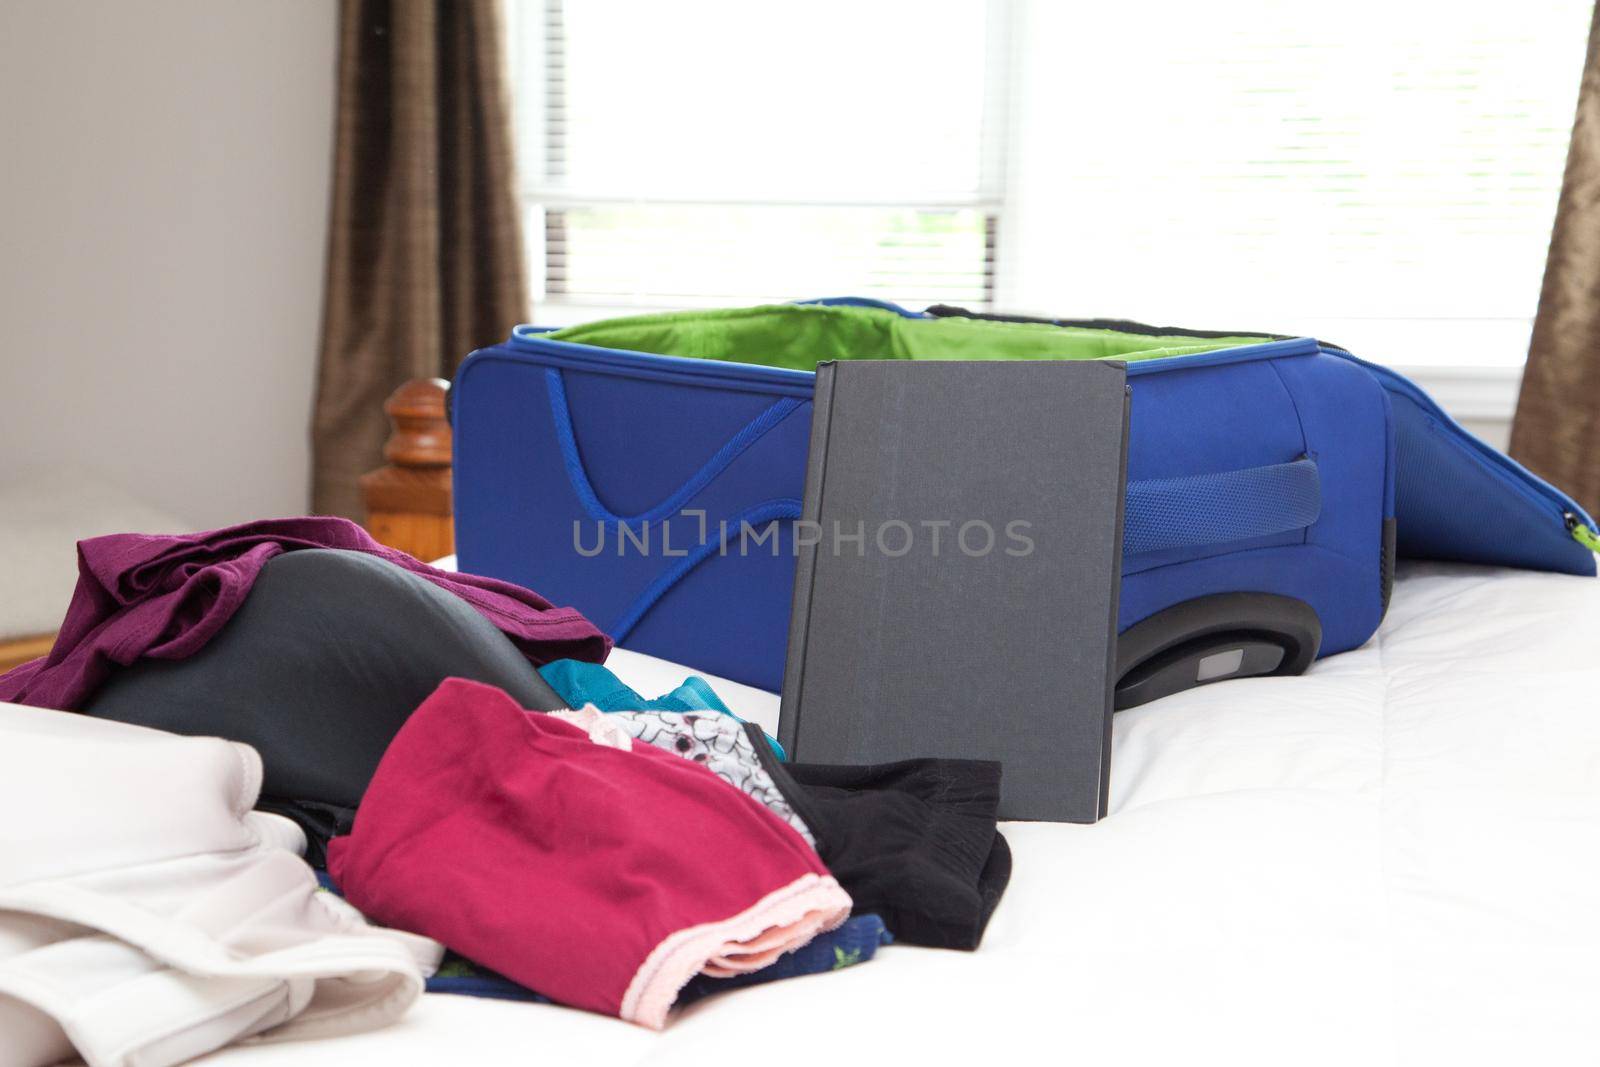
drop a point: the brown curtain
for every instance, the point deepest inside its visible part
(1556, 433)
(424, 240)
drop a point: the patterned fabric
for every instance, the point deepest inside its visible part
(857, 941)
(718, 743)
(580, 683)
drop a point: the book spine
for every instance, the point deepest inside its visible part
(805, 567)
(1104, 803)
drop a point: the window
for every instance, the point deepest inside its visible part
(1383, 175)
(715, 152)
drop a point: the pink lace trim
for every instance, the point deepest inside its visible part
(601, 728)
(779, 922)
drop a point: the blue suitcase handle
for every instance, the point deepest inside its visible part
(1214, 509)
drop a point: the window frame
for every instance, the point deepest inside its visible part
(528, 48)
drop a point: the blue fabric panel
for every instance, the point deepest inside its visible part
(610, 424)
(1228, 506)
(1345, 416)
(729, 616)
(1447, 508)
(1197, 420)
(1209, 419)
(617, 495)
(1457, 498)
(1467, 501)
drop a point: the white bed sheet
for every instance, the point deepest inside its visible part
(1395, 859)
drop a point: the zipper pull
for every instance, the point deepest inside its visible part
(1581, 532)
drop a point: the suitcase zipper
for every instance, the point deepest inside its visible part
(1581, 532)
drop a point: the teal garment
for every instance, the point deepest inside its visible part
(580, 683)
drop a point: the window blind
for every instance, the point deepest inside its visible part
(1381, 174)
(710, 152)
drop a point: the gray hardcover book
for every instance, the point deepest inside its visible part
(956, 586)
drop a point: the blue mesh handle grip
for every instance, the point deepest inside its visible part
(1214, 509)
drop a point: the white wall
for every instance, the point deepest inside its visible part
(164, 171)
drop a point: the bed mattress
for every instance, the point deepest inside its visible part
(1393, 859)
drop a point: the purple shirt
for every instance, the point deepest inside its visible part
(164, 596)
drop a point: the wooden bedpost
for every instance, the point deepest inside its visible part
(408, 499)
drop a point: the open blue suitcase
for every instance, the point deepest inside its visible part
(1272, 481)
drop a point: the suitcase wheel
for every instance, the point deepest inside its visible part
(1211, 639)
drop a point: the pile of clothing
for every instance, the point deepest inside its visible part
(273, 709)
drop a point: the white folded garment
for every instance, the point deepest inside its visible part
(147, 916)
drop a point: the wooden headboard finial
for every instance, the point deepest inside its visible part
(421, 436)
(408, 500)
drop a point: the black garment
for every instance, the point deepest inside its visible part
(914, 842)
(319, 668)
(321, 823)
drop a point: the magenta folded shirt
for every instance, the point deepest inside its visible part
(164, 596)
